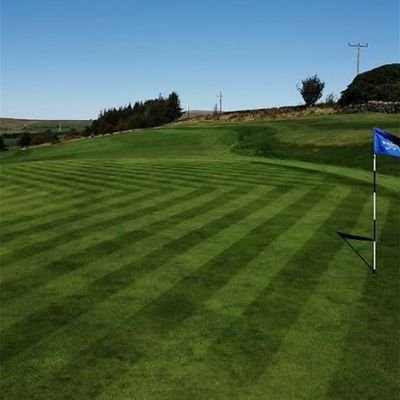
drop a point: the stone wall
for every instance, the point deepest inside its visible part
(300, 111)
(270, 113)
(374, 106)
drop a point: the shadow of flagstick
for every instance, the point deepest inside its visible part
(347, 236)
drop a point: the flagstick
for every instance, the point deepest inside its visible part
(374, 218)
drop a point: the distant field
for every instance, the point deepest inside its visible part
(160, 264)
(196, 113)
(12, 125)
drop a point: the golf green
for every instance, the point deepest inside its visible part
(159, 264)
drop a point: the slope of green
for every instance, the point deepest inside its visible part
(170, 142)
(341, 139)
(160, 265)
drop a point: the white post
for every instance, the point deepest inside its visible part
(374, 218)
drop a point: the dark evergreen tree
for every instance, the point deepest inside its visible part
(146, 114)
(3, 146)
(174, 106)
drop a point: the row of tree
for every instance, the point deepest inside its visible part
(149, 113)
(26, 138)
(145, 114)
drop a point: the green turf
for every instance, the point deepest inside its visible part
(340, 139)
(161, 265)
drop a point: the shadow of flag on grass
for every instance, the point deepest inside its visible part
(387, 144)
(347, 237)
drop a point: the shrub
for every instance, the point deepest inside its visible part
(24, 140)
(311, 89)
(330, 100)
(3, 146)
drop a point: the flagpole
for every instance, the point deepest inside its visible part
(383, 143)
(374, 217)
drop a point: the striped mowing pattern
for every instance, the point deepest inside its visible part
(125, 280)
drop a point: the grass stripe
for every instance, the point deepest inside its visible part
(63, 229)
(69, 199)
(215, 177)
(69, 248)
(255, 337)
(156, 240)
(222, 175)
(19, 186)
(147, 185)
(373, 341)
(99, 173)
(85, 179)
(245, 170)
(152, 173)
(310, 352)
(227, 168)
(182, 172)
(30, 179)
(8, 191)
(182, 169)
(20, 196)
(67, 179)
(30, 197)
(147, 292)
(62, 208)
(11, 206)
(20, 203)
(209, 175)
(19, 336)
(9, 289)
(123, 221)
(189, 342)
(155, 322)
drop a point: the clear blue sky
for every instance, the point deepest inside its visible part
(70, 59)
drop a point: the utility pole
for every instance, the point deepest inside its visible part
(220, 101)
(358, 46)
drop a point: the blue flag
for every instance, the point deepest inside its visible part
(386, 143)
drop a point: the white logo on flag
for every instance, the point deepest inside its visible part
(390, 146)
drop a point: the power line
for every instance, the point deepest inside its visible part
(358, 46)
(220, 101)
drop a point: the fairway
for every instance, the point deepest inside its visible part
(159, 264)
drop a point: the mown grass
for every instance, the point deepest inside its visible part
(160, 265)
(341, 139)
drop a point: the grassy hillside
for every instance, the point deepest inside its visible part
(341, 139)
(170, 142)
(161, 265)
